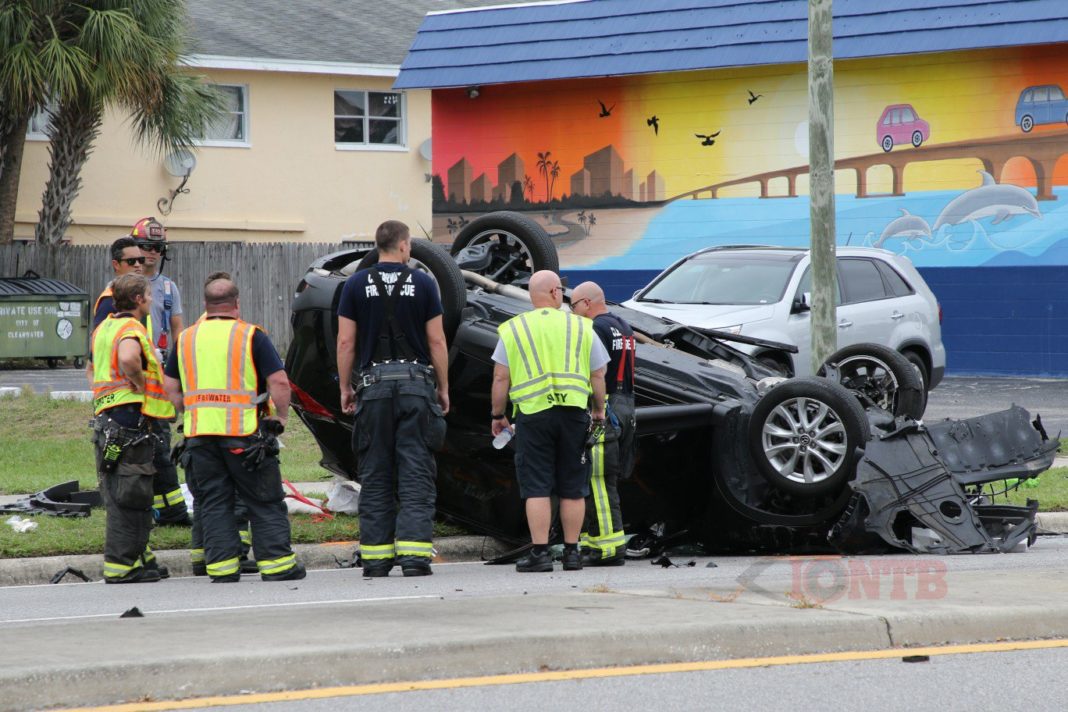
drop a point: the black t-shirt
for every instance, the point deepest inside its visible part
(417, 304)
(264, 357)
(618, 340)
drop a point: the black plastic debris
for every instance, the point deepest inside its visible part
(134, 612)
(691, 562)
(664, 562)
(62, 500)
(916, 659)
(711, 565)
(69, 570)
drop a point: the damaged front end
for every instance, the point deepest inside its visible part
(920, 487)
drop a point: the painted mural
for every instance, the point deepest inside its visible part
(956, 160)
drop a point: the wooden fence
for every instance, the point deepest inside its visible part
(267, 274)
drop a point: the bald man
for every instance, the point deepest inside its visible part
(551, 366)
(612, 457)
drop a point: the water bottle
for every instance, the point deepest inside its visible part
(502, 438)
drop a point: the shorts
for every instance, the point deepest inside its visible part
(549, 449)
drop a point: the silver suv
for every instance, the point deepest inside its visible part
(765, 292)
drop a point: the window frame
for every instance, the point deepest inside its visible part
(246, 124)
(32, 135)
(402, 121)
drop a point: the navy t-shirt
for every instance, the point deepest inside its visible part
(105, 307)
(417, 304)
(618, 340)
(264, 357)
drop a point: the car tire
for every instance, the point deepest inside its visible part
(878, 376)
(804, 435)
(888, 144)
(435, 260)
(920, 366)
(1026, 124)
(516, 236)
(917, 139)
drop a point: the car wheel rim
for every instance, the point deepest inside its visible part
(804, 439)
(870, 376)
(510, 254)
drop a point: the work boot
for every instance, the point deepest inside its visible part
(535, 563)
(161, 569)
(200, 568)
(228, 578)
(294, 574)
(142, 575)
(572, 560)
(249, 566)
(416, 568)
(593, 557)
(376, 570)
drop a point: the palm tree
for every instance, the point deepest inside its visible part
(528, 185)
(169, 109)
(582, 221)
(554, 171)
(543, 167)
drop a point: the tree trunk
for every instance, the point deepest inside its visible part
(74, 128)
(13, 141)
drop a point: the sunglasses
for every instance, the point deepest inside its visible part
(133, 260)
(151, 248)
(580, 301)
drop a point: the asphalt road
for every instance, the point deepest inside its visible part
(953, 683)
(815, 578)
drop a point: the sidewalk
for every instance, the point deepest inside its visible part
(347, 643)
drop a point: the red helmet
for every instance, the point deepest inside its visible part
(149, 231)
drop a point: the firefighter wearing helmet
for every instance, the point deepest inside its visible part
(165, 323)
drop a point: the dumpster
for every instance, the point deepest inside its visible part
(44, 318)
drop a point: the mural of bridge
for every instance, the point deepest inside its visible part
(1043, 150)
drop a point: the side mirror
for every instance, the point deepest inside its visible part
(801, 303)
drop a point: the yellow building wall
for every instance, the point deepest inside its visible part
(289, 184)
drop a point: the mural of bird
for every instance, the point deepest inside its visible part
(753, 97)
(709, 139)
(604, 110)
(654, 121)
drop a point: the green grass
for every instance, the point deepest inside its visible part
(44, 442)
(1051, 492)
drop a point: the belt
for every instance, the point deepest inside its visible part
(394, 371)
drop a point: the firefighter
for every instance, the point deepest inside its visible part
(128, 401)
(612, 456)
(220, 374)
(126, 258)
(549, 364)
(390, 328)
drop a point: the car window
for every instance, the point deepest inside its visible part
(805, 287)
(1042, 94)
(886, 119)
(1028, 95)
(724, 279)
(1055, 94)
(897, 284)
(861, 281)
(907, 115)
(895, 116)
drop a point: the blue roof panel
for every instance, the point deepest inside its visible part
(591, 38)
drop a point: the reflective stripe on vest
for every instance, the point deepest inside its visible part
(548, 359)
(219, 393)
(110, 387)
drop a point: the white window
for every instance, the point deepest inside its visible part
(39, 122)
(231, 127)
(368, 119)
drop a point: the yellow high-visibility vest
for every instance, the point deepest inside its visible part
(110, 387)
(548, 359)
(218, 378)
(108, 293)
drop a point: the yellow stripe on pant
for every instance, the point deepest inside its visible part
(224, 568)
(115, 570)
(374, 552)
(415, 548)
(277, 566)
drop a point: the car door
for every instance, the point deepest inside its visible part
(1058, 107)
(1041, 105)
(799, 324)
(866, 312)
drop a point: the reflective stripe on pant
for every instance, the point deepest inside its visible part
(277, 566)
(127, 495)
(219, 478)
(168, 501)
(604, 528)
(396, 468)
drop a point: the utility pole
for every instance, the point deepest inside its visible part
(821, 179)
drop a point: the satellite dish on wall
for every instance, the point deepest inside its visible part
(425, 150)
(180, 163)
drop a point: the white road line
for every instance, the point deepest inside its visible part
(289, 604)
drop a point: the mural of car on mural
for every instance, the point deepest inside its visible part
(1041, 105)
(898, 125)
(715, 157)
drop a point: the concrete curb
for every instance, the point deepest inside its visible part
(17, 572)
(439, 637)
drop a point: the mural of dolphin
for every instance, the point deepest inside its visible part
(908, 226)
(988, 200)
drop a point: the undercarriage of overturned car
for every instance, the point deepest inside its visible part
(730, 452)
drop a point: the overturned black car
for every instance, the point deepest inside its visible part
(730, 451)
